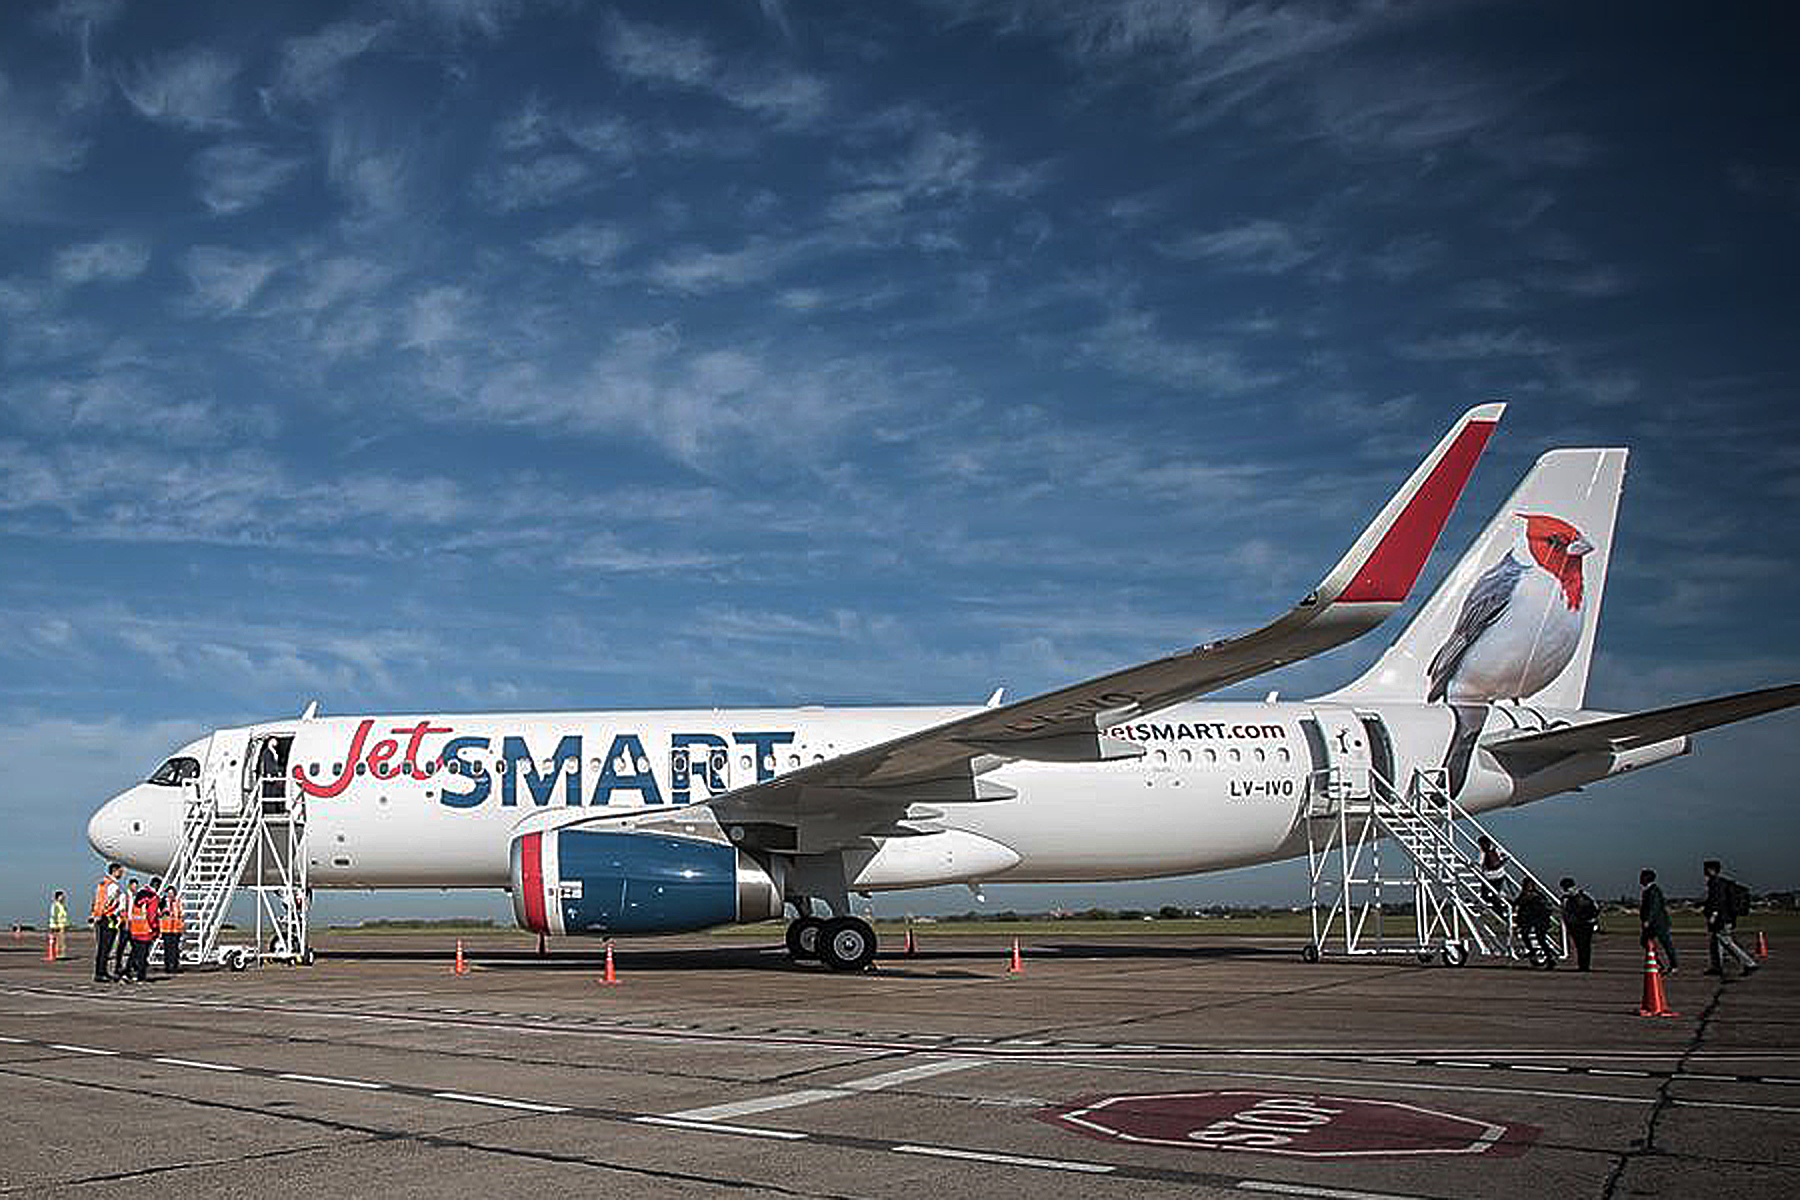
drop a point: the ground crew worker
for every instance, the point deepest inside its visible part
(142, 929)
(1533, 915)
(1581, 917)
(59, 925)
(1726, 901)
(109, 903)
(1653, 915)
(122, 943)
(169, 922)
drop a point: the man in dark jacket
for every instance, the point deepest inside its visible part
(1723, 900)
(1653, 914)
(1532, 911)
(1581, 917)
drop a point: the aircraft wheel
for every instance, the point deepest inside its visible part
(1309, 953)
(803, 938)
(236, 960)
(847, 944)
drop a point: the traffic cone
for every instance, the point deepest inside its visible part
(1654, 1004)
(50, 947)
(1762, 944)
(611, 977)
(461, 968)
(1017, 966)
(912, 946)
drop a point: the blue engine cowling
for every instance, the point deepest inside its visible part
(617, 882)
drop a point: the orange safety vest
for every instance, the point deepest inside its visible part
(140, 921)
(171, 916)
(104, 902)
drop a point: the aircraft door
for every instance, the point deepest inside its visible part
(1348, 757)
(220, 786)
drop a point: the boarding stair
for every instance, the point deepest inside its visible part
(1432, 862)
(243, 831)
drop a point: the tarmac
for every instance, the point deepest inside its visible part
(1130, 1067)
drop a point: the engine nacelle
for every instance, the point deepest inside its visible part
(606, 882)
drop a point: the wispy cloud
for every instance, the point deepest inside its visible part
(660, 56)
(312, 66)
(1262, 245)
(589, 243)
(224, 280)
(1130, 342)
(238, 176)
(110, 260)
(191, 89)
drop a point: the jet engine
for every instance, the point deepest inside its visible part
(607, 882)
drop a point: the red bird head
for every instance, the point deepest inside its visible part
(1558, 547)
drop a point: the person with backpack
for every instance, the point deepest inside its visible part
(1533, 916)
(1581, 917)
(1726, 901)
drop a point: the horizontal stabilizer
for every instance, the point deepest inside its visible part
(1649, 727)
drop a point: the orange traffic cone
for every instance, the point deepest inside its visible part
(912, 946)
(611, 977)
(1017, 966)
(1762, 944)
(461, 968)
(50, 947)
(1654, 1004)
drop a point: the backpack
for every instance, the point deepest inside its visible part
(1583, 912)
(1737, 896)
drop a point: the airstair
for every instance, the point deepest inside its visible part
(1375, 849)
(243, 829)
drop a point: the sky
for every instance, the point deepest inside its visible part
(484, 354)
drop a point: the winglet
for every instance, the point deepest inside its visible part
(1385, 562)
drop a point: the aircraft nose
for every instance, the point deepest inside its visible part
(106, 828)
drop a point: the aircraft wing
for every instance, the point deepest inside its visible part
(1645, 728)
(866, 792)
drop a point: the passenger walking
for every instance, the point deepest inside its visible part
(1533, 915)
(1726, 901)
(109, 906)
(59, 926)
(143, 932)
(1493, 874)
(169, 923)
(1581, 918)
(1653, 915)
(122, 943)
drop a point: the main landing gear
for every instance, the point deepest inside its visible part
(841, 943)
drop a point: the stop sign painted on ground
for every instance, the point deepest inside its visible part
(1301, 1125)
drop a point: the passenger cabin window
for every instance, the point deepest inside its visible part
(176, 771)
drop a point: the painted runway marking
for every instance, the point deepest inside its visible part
(1779, 1108)
(719, 1127)
(503, 1102)
(1009, 1160)
(1302, 1189)
(204, 1066)
(837, 1091)
(329, 1081)
(80, 1049)
(13, 1041)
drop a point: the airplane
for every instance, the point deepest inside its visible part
(647, 822)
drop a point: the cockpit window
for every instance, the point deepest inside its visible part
(176, 771)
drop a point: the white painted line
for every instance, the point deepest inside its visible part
(787, 1135)
(16, 1041)
(1008, 1160)
(1301, 1189)
(1406, 1085)
(1694, 1075)
(1777, 1108)
(503, 1102)
(1459, 1062)
(743, 1108)
(837, 1091)
(1778, 1079)
(1530, 1067)
(1394, 1062)
(204, 1066)
(80, 1049)
(1604, 1071)
(328, 1080)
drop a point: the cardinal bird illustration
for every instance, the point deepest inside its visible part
(1518, 629)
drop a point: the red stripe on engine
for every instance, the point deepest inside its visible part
(531, 881)
(1395, 565)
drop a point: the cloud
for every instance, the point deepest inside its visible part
(695, 270)
(189, 89)
(35, 145)
(239, 176)
(1128, 342)
(537, 183)
(1261, 246)
(110, 260)
(434, 317)
(588, 243)
(662, 57)
(1478, 344)
(225, 280)
(312, 66)
(373, 173)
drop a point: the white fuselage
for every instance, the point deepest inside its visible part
(416, 801)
